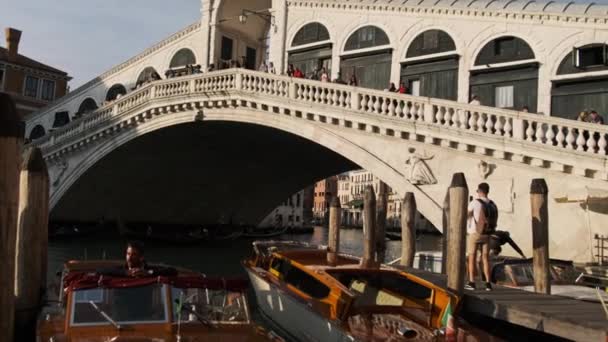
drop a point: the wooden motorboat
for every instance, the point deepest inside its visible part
(300, 230)
(186, 306)
(312, 301)
(264, 233)
(566, 280)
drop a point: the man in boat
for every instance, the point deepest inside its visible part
(499, 238)
(136, 266)
(482, 218)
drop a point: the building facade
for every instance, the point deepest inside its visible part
(324, 191)
(290, 213)
(32, 85)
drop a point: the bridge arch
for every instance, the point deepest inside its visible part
(37, 132)
(343, 146)
(311, 48)
(87, 106)
(183, 57)
(148, 74)
(115, 91)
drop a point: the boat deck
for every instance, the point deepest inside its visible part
(560, 316)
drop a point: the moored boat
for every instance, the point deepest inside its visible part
(310, 300)
(184, 306)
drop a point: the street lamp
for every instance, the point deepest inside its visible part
(245, 13)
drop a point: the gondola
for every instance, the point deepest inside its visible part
(148, 232)
(393, 236)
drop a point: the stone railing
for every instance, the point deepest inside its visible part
(456, 120)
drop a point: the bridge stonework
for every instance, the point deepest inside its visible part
(377, 130)
(385, 133)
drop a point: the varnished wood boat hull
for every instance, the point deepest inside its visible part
(294, 317)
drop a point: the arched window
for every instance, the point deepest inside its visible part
(114, 91)
(435, 76)
(87, 106)
(592, 57)
(514, 86)
(504, 49)
(182, 58)
(366, 37)
(429, 42)
(37, 132)
(147, 75)
(310, 33)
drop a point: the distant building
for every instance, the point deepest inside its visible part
(324, 191)
(32, 85)
(289, 213)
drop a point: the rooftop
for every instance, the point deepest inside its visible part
(29, 63)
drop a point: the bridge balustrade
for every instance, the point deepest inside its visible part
(552, 132)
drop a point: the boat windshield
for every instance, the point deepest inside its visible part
(209, 306)
(132, 305)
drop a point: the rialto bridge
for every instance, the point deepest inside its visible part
(141, 144)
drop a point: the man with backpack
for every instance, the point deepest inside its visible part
(482, 219)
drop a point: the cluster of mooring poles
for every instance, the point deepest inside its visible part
(454, 227)
(24, 215)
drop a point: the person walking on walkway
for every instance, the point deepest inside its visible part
(482, 218)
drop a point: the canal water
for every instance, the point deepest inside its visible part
(213, 259)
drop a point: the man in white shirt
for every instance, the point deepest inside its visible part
(474, 238)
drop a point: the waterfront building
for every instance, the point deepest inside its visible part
(32, 84)
(289, 213)
(324, 190)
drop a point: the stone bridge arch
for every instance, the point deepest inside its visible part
(352, 150)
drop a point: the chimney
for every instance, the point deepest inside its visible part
(13, 36)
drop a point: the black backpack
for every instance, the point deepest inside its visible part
(491, 213)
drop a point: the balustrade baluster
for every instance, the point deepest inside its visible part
(439, 116)
(530, 131)
(341, 100)
(317, 94)
(391, 107)
(472, 121)
(591, 143)
(399, 108)
(550, 135)
(384, 106)
(570, 139)
(481, 120)
(560, 137)
(498, 126)
(602, 144)
(415, 112)
(363, 105)
(348, 98)
(580, 141)
(540, 133)
(370, 104)
(490, 123)
(463, 119)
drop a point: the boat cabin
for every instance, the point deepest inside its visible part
(188, 304)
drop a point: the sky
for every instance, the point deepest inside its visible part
(87, 37)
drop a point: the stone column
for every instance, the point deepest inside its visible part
(278, 36)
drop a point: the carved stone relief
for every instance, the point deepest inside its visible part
(418, 172)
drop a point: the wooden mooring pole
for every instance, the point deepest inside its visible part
(333, 247)
(11, 144)
(381, 211)
(408, 230)
(540, 235)
(32, 240)
(456, 244)
(445, 225)
(369, 229)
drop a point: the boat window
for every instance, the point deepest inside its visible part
(524, 274)
(137, 305)
(306, 283)
(391, 282)
(208, 305)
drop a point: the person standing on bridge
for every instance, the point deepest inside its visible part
(482, 219)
